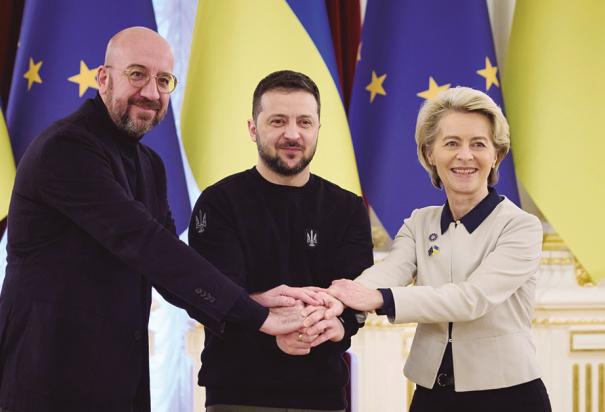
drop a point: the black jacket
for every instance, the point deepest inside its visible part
(89, 233)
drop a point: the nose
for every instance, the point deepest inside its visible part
(291, 131)
(465, 153)
(150, 90)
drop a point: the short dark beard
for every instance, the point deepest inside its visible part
(278, 166)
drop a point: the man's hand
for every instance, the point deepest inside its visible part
(325, 330)
(284, 295)
(295, 343)
(355, 295)
(283, 320)
(332, 308)
(312, 315)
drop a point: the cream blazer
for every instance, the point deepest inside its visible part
(483, 282)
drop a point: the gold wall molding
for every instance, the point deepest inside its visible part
(381, 322)
(575, 399)
(552, 242)
(588, 386)
(601, 388)
(576, 346)
(558, 261)
(545, 322)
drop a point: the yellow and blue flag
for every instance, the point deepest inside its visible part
(235, 44)
(61, 45)
(554, 95)
(410, 51)
(7, 169)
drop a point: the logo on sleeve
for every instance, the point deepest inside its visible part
(311, 238)
(200, 222)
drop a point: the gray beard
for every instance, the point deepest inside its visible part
(131, 128)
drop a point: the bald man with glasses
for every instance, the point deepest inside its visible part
(90, 232)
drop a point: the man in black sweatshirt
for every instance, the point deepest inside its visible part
(279, 224)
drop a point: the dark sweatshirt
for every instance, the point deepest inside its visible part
(262, 235)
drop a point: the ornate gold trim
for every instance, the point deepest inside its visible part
(544, 322)
(568, 308)
(601, 387)
(558, 261)
(583, 277)
(588, 384)
(585, 332)
(575, 392)
(552, 241)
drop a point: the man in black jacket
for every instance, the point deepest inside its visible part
(272, 224)
(90, 232)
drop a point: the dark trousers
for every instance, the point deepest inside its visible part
(245, 408)
(527, 397)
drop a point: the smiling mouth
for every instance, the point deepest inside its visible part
(464, 171)
(290, 148)
(145, 107)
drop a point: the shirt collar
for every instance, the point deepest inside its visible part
(476, 216)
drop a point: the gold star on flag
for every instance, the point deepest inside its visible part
(375, 86)
(33, 73)
(490, 74)
(433, 90)
(86, 78)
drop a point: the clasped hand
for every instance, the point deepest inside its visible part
(318, 311)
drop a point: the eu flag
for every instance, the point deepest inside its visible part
(61, 44)
(410, 50)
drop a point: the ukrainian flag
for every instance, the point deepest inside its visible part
(7, 169)
(235, 44)
(554, 94)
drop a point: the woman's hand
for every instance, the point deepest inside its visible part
(355, 295)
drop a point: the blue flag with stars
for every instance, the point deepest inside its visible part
(61, 45)
(410, 51)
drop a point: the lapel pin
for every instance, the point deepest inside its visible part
(433, 250)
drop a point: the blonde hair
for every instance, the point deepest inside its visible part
(465, 100)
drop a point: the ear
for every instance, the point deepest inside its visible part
(429, 156)
(497, 159)
(102, 79)
(252, 129)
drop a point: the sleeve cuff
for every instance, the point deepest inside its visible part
(388, 308)
(248, 313)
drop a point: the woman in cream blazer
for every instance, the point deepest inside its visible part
(474, 262)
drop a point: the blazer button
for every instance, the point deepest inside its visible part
(138, 335)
